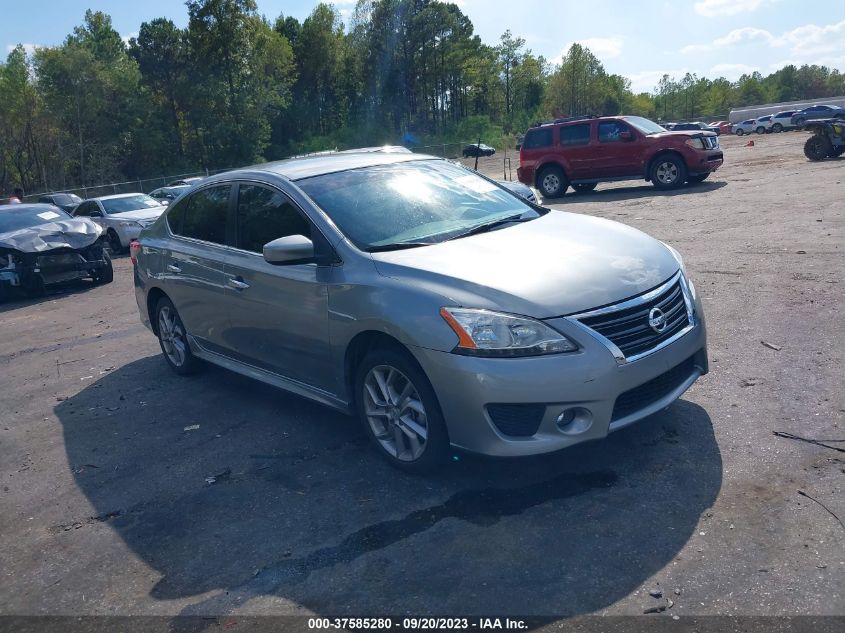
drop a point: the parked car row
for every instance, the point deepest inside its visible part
(787, 120)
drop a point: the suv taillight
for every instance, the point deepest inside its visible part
(134, 251)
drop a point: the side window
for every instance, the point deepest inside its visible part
(265, 215)
(609, 131)
(204, 215)
(538, 138)
(575, 134)
(84, 209)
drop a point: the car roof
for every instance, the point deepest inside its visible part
(118, 195)
(29, 206)
(309, 166)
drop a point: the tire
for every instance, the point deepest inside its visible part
(584, 187)
(114, 242)
(552, 182)
(739, 132)
(760, 130)
(800, 123)
(105, 275)
(698, 178)
(174, 346)
(777, 128)
(818, 147)
(407, 431)
(668, 172)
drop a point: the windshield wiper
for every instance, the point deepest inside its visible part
(398, 246)
(488, 226)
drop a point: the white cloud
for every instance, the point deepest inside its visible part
(715, 8)
(647, 80)
(601, 47)
(731, 71)
(29, 49)
(128, 37)
(807, 44)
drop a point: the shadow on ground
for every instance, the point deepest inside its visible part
(275, 496)
(645, 190)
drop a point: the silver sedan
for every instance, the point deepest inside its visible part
(441, 309)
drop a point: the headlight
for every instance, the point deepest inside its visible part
(486, 333)
(129, 224)
(680, 261)
(695, 143)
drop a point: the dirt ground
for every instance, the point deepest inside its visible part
(105, 505)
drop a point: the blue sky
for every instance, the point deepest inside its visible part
(641, 40)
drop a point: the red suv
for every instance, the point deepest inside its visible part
(584, 151)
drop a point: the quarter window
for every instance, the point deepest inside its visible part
(265, 215)
(575, 134)
(203, 216)
(538, 138)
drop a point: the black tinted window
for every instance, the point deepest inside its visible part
(85, 208)
(575, 134)
(204, 215)
(538, 138)
(265, 215)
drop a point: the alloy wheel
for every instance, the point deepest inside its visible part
(172, 336)
(666, 172)
(395, 413)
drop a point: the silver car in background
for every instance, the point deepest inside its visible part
(122, 216)
(442, 310)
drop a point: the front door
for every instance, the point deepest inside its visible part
(278, 314)
(618, 157)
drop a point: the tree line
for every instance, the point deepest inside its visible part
(234, 87)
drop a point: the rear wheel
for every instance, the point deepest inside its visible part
(818, 147)
(400, 412)
(174, 339)
(698, 178)
(114, 242)
(584, 187)
(552, 182)
(760, 130)
(740, 132)
(668, 172)
(800, 122)
(777, 127)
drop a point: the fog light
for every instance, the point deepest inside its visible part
(566, 417)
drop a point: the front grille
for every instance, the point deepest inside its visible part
(516, 420)
(629, 328)
(711, 142)
(655, 389)
(58, 261)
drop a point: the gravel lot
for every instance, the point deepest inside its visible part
(105, 507)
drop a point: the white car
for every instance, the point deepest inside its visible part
(745, 127)
(122, 216)
(764, 124)
(783, 121)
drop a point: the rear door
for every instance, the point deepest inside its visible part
(278, 314)
(619, 158)
(574, 141)
(193, 263)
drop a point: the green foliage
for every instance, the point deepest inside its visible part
(232, 89)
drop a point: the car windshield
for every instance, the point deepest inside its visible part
(644, 125)
(15, 218)
(129, 203)
(412, 203)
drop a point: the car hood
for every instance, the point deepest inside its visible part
(140, 214)
(559, 264)
(688, 133)
(73, 233)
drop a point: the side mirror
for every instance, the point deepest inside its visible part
(291, 248)
(626, 136)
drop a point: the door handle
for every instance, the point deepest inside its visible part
(237, 283)
(173, 268)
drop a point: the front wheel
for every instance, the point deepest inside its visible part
(400, 412)
(761, 130)
(777, 127)
(114, 242)
(584, 187)
(668, 172)
(106, 274)
(552, 182)
(800, 122)
(818, 147)
(740, 132)
(174, 339)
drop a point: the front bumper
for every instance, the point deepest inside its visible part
(704, 161)
(588, 382)
(43, 269)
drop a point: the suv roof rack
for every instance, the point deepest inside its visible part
(566, 120)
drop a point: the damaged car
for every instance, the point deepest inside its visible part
(41, 245)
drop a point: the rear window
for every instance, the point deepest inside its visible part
(538, 138)
(575, 134)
